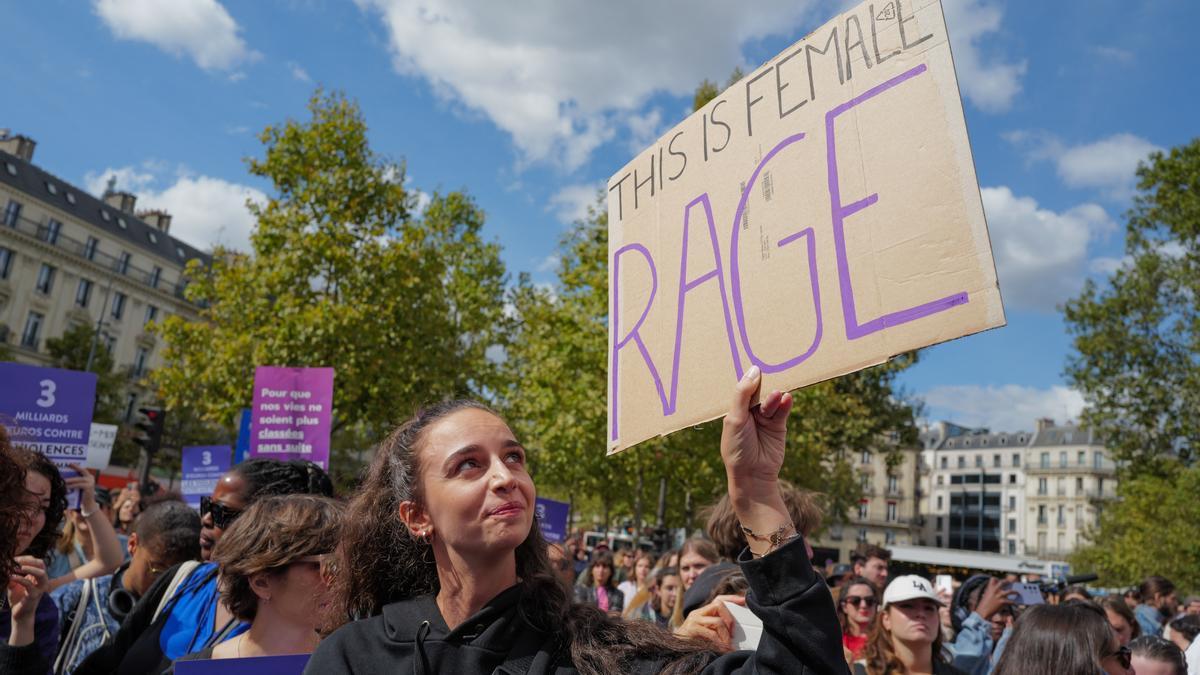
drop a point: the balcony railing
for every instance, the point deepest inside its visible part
(81, 250)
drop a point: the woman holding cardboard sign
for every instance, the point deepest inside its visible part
(445, 566)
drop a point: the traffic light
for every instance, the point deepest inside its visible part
(150, 429)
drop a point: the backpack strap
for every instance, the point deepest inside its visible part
(185, 571)
(76, 618)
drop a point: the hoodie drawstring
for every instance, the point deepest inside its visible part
(421, 663)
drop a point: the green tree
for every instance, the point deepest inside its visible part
(1153, 528)
(342, 273)
(1137, 336)
(71, 350)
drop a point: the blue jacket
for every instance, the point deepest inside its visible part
(1150, 619)
(972, 647)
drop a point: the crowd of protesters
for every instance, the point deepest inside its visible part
(435, 564)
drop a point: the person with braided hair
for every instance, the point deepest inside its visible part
(182, 612)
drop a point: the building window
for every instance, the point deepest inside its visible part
(1012, 546)
(1041, 486)
(1098, 459)
(862, 509)
(1100, 487)
(155, 275)
(941, 480)
(51, 188)
(130, 402)
(862, 534)
(1012, 479)
(1082, 458)
(889, 537)
(139, 361)
(6, 259)
(893, 484)
(1062, 459)
(121, 223)
(962, 461)
(943, 462)
(1061, 487)
(151, 314)
(1078, 486)
(938, 541)
(940, 522)
(107, 218)
(1062, 515)
(152, 237)
(1012, 502)
(123, 262)
(865, 457)
(891, 512)
(118, 305)
(109, 342)
(33, 328)
(864, 482)
(71, 197)
(939, 503)
(53, 229)
(979, 461)
(1012, 525)
(12, 213)
(45, 279)
(1041, 514)
(996, 461)
(1016, 459)
(89, 249)
(1045, 460)
(83, 293)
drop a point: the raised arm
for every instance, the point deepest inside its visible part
(107, 555)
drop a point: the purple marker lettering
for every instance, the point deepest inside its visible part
(855, 330)
(684, 286)
(613, 373)
(735, 276)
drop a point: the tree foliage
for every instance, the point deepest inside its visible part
(344, 273)
(70, 351)
(1154, 528)
(1137, 336)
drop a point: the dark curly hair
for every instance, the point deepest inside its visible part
(382, 562)
(12, 503)
(266, 477)
(44, 540)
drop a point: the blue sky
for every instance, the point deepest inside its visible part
(531, 106)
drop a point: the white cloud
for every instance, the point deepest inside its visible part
(990, 84)
(1107, 165)
(644, 129)
(298, 72)
(200, 29)
(571, 202)
(1041, 255)
(549, 263)
(205, 211)
(1007, 407)
(558, 75)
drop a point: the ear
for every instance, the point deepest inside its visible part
(132, 544)
(414, 517)
(260, 583)
(886, 618)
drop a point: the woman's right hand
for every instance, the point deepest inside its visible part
(712, 622)
(25, 590)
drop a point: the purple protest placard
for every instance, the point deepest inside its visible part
(292, 413)
(292, 664)
(552, 518)
(202, 467)
(49, 410)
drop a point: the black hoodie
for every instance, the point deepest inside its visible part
(800, 636)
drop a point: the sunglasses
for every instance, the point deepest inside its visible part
(867, 601)
(325, 562)
(1123, 656)
(222, 515)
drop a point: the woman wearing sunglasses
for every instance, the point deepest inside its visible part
(1069, 639)
(856, 606)
(274, 575)
(182, 613)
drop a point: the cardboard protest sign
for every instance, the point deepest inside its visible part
(49, 410)
(201, 467)
(816, 218)
(552, 519)
(292, 413)
(100, 445)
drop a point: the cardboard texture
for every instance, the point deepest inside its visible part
(818, 217)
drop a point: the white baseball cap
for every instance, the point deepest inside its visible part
(909, 587)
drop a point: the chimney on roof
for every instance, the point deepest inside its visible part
(1044, 423)
(21, 146)
(118, 199)
(157, 218)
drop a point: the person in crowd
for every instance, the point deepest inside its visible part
(1192, 605)
(83, 552)
(105, 501)
(980, 612)
(47, 506)
(1158, 604)
(1076, 593)
(182, 613)
(1068, 639)
(645, 604)
(642, 565)
(1133, 597)
(668, 559)
(871, 561)
(1153, 655)
(906, 637)
(561, 562)
(668, 597)
(694, 557)
(723, 530)
(444, 564)
(1121, 618)
(21, 511)
(622, 565)
(165, 534)
(600, 586)
(857, 604)
(1184, 630)
(275, 570)
(129, 505)
(839, 575)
